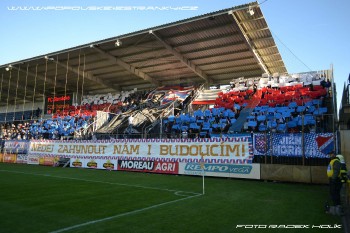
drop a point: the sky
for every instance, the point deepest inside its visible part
(310, 34)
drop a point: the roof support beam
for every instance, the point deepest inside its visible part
(262, 39)
(249, 42)
(268, 47)
(86, 74)
(126, 66)
(275, 61)
(42, 78)
(227, 60)
(240, 53)
(257, 30)
(194, 31)
(185, 61)
(270, 55)
(241, 72)
(208, 39)
(13, 84)
(230, 79)
(251, 20)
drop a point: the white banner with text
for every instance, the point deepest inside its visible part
(236, 150)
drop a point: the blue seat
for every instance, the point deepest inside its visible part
(311, 109)
(300, 121)
(223, 120)
(215, 126)
(323, 110)
(206, 126)
(200, 121)
(215, 111)
(203, 134)
(311, 122)
(270, 117)
(292, 124)
(317, 102)
(207, 113)
(271, 110)
(251, 117)
(286, 114)
(317, 112)
(252, 123)
(271, 124)
(171, 118)
(261, 118)
(194, 126)
(198, 113)
(281, 127)
(185, 118)
(230, 113)
(301, 108)
(292, 105)
(282, 109)
(278, 115)
(176, 127)
(258, 109)
(264, 107)
(192, 119)
(262, 127)
(309, 103)
(184, 128)
(178, 120)
(211, 119)
(222, 125)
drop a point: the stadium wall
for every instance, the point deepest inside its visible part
(294, 173)
(164, 156)
(345, 146)
(19, 107)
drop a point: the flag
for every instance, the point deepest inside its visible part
(325, 143)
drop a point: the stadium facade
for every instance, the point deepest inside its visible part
(206, 94)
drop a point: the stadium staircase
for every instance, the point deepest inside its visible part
(328, 119)
(251, 104)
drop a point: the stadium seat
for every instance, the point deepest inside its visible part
(194, 126)
(262, 127)
(252, 123)
(206, 126)
(261, 118)
(292, 124)
(301, 109)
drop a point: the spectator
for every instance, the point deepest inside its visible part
(335, 182)
(38, 112)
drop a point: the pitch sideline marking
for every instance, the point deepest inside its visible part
(122, 215)
(176, 192)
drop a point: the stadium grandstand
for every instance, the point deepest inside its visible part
(178, 89)
(208, 96)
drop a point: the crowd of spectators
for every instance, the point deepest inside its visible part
(200, 124)
(58, 128)
(72, 122)
(52, 129)
(15, 131)
(275, 93)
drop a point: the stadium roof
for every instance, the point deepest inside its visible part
(214, 48)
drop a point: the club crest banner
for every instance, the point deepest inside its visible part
(315, 145)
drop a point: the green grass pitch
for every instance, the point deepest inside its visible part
(51, 199)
